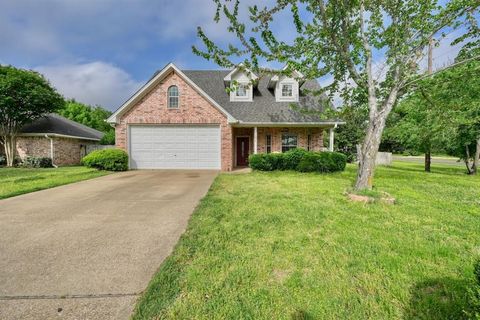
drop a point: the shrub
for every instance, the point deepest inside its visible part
(292, 158)
(300, 160)
(322, 162)
(260, 162)
(3, 160)
(108, 138)
(107, 159)
(37, 162)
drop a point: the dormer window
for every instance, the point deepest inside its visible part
(241, 90)
(240, 82)
(287, 90)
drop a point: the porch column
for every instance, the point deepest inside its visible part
(255, 136)
(330, 142)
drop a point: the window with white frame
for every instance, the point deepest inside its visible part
(241, 90)
(287, 90)
(289, 141)
(268, 143)
(173, 97)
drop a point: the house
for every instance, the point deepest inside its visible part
(186, 119)
(53, 136)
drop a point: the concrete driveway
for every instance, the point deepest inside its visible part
(87, 250)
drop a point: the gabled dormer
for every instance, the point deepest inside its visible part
(241, 83)
(286, 88)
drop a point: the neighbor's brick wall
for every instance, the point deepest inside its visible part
(66, 151)
(276, 133)
(194, 109)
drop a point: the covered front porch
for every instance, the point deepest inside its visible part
(262, 139)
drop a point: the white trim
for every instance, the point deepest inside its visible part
(255, 140)
(325, 124)
(228, 77)
(114, 118)
(56, 135)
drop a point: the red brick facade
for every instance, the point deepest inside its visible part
(193, 109)
(66, 151)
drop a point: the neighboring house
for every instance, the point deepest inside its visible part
(53, 136)
(187, 119)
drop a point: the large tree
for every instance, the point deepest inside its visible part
(345, 39)
(24, 97)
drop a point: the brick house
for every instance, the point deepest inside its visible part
(188, 120)
(53, 136)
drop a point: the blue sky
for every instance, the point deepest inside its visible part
(101, 51)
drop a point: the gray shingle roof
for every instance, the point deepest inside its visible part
(56, 124)
(264, 107)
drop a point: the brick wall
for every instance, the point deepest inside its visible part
(193, 109)
(66, 151)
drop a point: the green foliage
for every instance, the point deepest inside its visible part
(299, 160)
(108, 159)
(108, 138)
(24, 97)
(352, 133)
(37, 162)
(292, 158)
(442, 114)
(322, 162)
(93, 117)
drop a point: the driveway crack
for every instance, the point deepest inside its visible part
(69, 296)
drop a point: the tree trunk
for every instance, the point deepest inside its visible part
(428, 160)
(10, 145)
(368, 155)
(476, 159)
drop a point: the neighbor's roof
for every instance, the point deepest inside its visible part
(57, 125)
(264, 107)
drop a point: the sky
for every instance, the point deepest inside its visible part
(101, 51)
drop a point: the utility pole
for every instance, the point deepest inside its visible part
(428, 151)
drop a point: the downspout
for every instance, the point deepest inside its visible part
(51, 149)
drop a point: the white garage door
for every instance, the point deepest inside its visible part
(174, 147)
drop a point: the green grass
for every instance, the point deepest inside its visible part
(16, 181)
(285, 245)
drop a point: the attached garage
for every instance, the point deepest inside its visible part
(174, 147)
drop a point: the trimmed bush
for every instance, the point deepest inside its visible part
(322, 162)
(37, 162)
(300, 160)
(107, 159)
(292, 158)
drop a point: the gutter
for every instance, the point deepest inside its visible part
(51, 149)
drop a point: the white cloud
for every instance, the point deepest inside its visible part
(95, 83)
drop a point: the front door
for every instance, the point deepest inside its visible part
(242, 151)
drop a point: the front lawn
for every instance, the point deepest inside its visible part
(285, 245)
(16, 181)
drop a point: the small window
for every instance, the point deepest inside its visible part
(268, 143)
(241, 90)
(289, 141)
(287, 90)
(173, 97)
(309, 142)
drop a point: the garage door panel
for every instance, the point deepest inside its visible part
(175, 147)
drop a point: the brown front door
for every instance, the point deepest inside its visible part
(242, 151)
